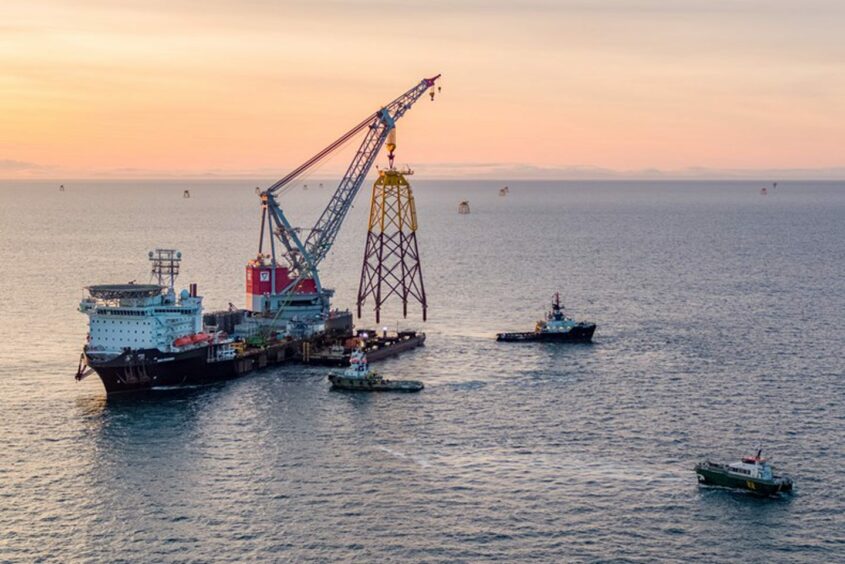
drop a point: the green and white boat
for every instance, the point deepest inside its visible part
(359, 377)
(752, 473)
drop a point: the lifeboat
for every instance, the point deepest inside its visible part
(200, 337)
(182, 341)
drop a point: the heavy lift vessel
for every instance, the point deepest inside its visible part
(147, 336)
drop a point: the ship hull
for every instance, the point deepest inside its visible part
(381, 350)
(716, 477)
(369, 385)
(579, 334)
(151, 369)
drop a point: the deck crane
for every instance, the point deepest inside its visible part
(285, 283)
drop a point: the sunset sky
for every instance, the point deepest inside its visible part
(92, 88)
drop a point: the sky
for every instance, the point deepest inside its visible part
(530, 89)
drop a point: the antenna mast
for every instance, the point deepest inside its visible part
(165, 266)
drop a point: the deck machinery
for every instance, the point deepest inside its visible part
(283, 286)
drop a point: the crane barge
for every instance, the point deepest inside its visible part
(150, 336)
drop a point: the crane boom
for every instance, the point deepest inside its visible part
(303, 258)
(322, 236)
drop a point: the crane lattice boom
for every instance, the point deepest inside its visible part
(304, 258)
(325, 231)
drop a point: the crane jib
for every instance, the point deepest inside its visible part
(322, 237)
(304, 258)
(395, 105)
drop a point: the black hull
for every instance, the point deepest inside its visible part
(382, 350)
(579, 334)
(150, 369)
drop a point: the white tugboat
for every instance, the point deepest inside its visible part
(359, 377)
(143, 336)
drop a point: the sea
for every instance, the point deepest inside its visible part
(721, 330)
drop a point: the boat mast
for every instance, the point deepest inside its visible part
(165, 266)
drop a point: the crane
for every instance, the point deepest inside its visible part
(288, 277)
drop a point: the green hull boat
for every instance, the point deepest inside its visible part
(358, 377)
(753, 473)
(374, 384)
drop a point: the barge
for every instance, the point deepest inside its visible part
(377, 347)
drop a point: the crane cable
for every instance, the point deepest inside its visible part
(297, 172)
(316, 167)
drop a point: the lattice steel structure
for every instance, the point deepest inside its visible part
(391, 257)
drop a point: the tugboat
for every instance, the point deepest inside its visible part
(359, 377)
(557, 328)
(752, 473)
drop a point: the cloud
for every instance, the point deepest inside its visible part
(11, 165)
(438, 171)
(525, 171)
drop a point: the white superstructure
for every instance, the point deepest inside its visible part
(358, 365)
(139, 316)
(556, 321)
(145, 316)
(753, 467)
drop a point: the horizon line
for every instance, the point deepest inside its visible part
(492, 171)
(260, 179)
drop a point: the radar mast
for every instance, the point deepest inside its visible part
(165, 266)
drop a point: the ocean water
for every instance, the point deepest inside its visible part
(720, 330)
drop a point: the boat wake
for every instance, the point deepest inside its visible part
(176, 388)
(417, 459)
